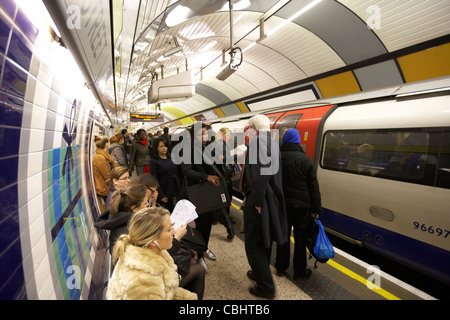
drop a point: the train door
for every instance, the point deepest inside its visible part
(306, 121)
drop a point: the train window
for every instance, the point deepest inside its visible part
(288, 122)
(405, 155)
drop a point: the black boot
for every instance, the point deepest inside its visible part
(226, 221)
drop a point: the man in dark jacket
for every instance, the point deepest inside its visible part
(126, 143)
(166, 136)
(303, 201)
(264, 208)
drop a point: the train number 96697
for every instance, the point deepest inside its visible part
(431, 229)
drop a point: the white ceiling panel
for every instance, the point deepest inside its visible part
(283, 71)
(403, 23)
(304, 49)
(327, 37)
(223, 87)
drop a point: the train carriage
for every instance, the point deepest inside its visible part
(383, 165)
(395, 198)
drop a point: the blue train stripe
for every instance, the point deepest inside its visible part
(413, 253)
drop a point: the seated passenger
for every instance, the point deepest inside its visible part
(145, 270)
(191, 272)
(119, 179)
(125, 202)
(151, 184)
(394, 168)
(363, 158)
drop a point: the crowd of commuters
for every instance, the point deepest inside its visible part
(138, 184)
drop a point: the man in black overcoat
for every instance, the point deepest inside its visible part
(264, 208)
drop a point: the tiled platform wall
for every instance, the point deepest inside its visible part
(49, 248)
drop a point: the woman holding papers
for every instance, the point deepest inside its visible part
(191, 272)
(144, 269)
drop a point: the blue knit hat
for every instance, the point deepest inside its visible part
(291, 136)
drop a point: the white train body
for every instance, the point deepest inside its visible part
(398, 202)
(406, 220)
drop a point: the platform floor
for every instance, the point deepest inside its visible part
(227, 277)
(340, 279)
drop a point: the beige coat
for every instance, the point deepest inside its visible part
(142, 274)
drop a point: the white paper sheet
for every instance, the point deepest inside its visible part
(183, 213)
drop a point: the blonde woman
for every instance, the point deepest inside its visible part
(144, 269)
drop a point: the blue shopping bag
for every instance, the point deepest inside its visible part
(323, 249)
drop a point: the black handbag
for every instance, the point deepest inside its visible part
(193, 240)
(207, 197)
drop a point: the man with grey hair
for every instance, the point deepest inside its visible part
(264, 208)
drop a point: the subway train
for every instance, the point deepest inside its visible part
(383, 165)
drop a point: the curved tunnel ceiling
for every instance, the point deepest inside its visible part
(333, 44)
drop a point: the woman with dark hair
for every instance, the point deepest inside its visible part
(196, 173)
(151, 184)
(125, 202)
(140, 153)
(165, 171)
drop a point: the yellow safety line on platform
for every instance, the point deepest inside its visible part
(350, 273)
(236, 207)
(357, 277)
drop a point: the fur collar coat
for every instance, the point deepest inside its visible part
(142, 274)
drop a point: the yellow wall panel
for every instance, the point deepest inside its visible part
(242, 107)
(219, 112)
(338, 84)
(187, 120)
(176, 113)
(426, 64)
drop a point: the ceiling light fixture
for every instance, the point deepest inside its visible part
(294, 16)
(281, 25)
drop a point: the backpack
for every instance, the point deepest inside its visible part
(317, 243)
